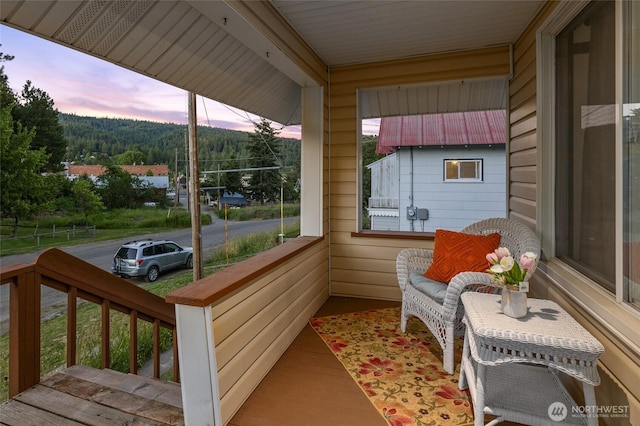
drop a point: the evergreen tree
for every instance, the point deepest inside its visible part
(231, 180)
(7, 97)
(5, 57)
(264, 150)
(24, 191)
(35, 111)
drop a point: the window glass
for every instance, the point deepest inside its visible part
(587, 142)
(463, 170)
(126, 253)
(585, 126)
(631, 152)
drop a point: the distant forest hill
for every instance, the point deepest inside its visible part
(105, 140)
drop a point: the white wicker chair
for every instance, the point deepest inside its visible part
(444, 320)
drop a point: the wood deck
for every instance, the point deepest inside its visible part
(83, 395)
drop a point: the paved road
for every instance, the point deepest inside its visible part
(101, 253)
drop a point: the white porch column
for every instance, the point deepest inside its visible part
(198, 369)
(311, 193)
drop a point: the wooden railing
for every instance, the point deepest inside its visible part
(61, 271)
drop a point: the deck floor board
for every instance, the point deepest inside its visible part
(82, 395)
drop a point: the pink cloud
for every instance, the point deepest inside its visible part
(82, 85)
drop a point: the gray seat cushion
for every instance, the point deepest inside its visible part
(434, 289)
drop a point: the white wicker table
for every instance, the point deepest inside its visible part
(511, 365)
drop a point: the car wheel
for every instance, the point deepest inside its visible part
(190, 262)
(153, 274)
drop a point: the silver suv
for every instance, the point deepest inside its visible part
(149, 258)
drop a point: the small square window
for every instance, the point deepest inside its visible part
(463, 170)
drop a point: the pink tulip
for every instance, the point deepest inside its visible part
(502, 252)
(528, 260)
(492, 258)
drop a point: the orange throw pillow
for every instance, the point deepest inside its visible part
(456, 252)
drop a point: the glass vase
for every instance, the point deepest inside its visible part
(514, 302)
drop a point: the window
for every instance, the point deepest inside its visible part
(597, 157)
(412, 153)
(463, 170)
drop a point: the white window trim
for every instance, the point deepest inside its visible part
(478, 161)
(610, 310)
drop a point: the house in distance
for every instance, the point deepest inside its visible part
(156, 175)
(443, 171)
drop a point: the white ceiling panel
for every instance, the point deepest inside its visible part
(347, 32)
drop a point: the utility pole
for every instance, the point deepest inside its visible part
(176, 192)
(194, 189)
(186, 164)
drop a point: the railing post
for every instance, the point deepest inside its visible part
(106, 333)
(24, 333)
(198, 370)
(72, 330)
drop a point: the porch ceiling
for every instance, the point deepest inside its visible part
(213, 48)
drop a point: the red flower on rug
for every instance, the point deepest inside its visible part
(431, 372)
(386, 333)
(336, 344)
(367, 387)
(459, 398)
(317, 322)
(395, 414)
(407, 344)
(378, 368)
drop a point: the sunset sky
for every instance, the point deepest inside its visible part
(83, 85)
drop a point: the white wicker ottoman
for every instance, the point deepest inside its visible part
(511, 365)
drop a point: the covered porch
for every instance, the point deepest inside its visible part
(328, 66)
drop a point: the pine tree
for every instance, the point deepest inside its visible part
(24, 192)
(264, 150)
(35, 111)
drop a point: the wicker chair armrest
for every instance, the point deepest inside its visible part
(412, 260)
(461, 283)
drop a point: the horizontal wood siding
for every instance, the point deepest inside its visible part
(352, 272)
(522, 127)
(253, 326)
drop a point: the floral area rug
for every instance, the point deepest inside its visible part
(400, 373)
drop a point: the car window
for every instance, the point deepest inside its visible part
(126, 253)
(159, 249)
(147, 251)
(170, 247)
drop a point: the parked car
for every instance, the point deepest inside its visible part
(148, 258)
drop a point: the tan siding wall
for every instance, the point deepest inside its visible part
(365, 267)
(254, 326)
(619, 373)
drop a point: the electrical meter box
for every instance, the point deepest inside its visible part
(412, 213)
(423, 214)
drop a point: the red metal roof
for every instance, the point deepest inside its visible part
(456, 128)
(157, 170)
